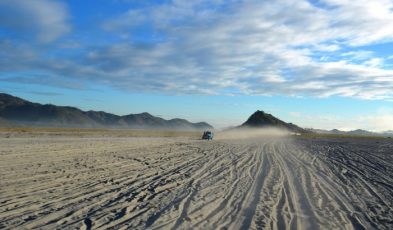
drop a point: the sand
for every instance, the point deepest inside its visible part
(111, 182)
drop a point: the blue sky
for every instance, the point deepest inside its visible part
(322, 64)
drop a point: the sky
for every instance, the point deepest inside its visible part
(317, 63)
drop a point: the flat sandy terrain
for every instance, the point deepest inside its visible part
(119, 182)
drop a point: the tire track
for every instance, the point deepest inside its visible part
(266, 183)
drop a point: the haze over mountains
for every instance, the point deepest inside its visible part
(15, 111)
(357, 132)
(260, 119)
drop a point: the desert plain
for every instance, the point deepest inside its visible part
(108, 179)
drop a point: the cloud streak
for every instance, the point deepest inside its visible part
(282, 47)
(43, 19)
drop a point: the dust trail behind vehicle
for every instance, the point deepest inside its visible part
(252, 133)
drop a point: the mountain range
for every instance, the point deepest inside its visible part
(357, 132)
(15, 111)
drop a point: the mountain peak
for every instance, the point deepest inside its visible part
(260, 119)
(146, 114)
(8, 100)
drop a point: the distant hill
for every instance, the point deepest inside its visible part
(360, 132)
(260, 119)
(357, 132)
(389, 132)
(17, 111)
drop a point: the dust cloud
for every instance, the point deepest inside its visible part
(252, 133)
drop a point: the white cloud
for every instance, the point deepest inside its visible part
(248, 46)
(44, 19)
(362, 22)
(358, 55)
(374, 62)
(282, 47)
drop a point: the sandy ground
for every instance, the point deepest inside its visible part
(65, 182)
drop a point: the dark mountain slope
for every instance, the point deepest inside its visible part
(21, 112)
(260, 119)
